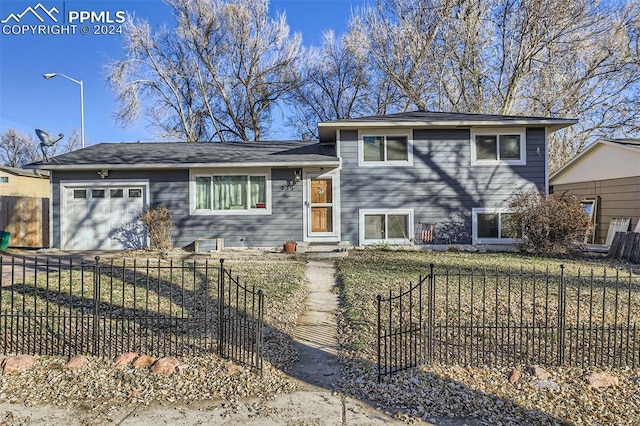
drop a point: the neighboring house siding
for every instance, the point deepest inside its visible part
(440, 186)
(171, 189)
(618, 198)
(24, 186)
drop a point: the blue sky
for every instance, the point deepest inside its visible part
(28, 101)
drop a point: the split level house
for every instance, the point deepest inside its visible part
(408, 178)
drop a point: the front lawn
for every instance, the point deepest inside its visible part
(488, 289)
(158, 304)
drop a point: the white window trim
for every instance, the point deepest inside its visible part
(384, 132)
(474, 227)
(498, 132)
(228, 172)
(361, 226)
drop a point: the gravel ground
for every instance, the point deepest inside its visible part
(438, 394)
(468, 395)
(104, 389)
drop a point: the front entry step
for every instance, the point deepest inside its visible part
(304, 247)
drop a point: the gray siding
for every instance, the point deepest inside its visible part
(440, 186)
(616, 198)
(171, 188)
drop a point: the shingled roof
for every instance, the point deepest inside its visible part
(204, 154)
(423, 119)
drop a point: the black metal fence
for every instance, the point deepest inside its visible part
(240, 319)
(53, 307)
(506, 318)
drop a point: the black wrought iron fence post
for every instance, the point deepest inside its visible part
(96, 307)
(221, 338)
(431, 299)
(260, 333)
(379, 299)
(562, 318)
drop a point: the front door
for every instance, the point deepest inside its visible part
(321, 211)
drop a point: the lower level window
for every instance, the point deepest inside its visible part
(241, 192)
(386, 226)
(491, 226)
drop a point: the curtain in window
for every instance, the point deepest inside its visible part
(203, 192)
(229, 192)
(258, 186)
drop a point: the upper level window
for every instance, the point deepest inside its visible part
(498, 146)
(383, 148)
(4, 179)
(231, 194)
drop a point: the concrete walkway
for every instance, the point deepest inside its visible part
(318, 368)
(315, 335)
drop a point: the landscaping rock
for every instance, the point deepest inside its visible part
(232, 368)
(456, 369)
(597, 380)
(144, 361)
(546, 384)
(124, 359)
(165, 366)
(514, 376)
(78, 362)
(539, 372)
(17, 363)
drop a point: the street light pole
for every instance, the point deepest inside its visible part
(80, 83)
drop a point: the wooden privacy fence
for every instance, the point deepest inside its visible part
(106, 308)
(626, 246)
(509, 318)
(27, 219)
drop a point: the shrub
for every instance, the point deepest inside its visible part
(549, 224)
(455, 230)
(159, 226)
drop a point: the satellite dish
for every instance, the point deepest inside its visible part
(46, 139)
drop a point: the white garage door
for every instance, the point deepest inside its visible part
(102, 218)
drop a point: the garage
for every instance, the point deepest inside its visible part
(102, 217)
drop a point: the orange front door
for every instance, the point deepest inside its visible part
(321, 204)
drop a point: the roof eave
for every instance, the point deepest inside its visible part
(551, 124)
(592, 147)
(144, 166)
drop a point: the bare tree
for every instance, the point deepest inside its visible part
(334, 86)
(216, 76)
(73, 143)
(558, 58)
(400, 37)
(16, 149)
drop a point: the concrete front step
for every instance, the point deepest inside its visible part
(304, 247)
